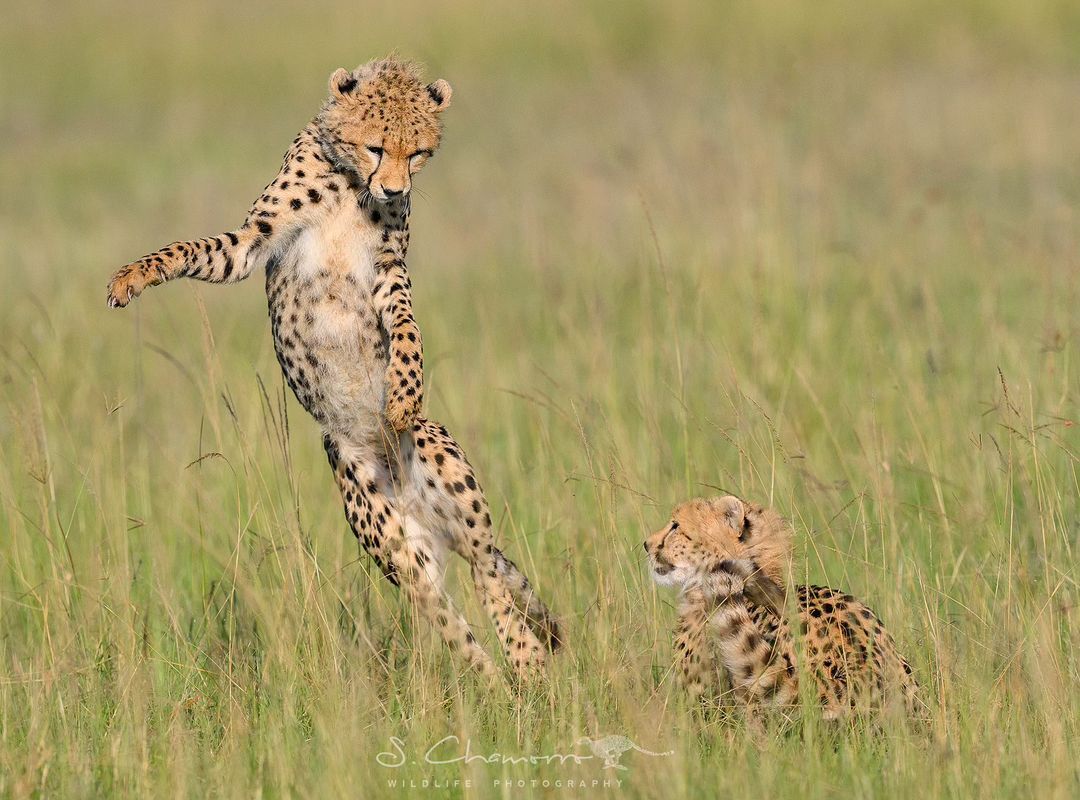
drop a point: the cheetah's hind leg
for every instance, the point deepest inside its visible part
(539, 616)
(401, 546)
(443, 476)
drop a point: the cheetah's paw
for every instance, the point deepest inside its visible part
(401, 412)
(130, 281)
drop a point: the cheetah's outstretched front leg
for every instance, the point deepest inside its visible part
(408, 560)
(217, 259)
(284, 207)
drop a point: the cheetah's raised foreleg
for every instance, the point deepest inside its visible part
(225, 258)
(285, 207)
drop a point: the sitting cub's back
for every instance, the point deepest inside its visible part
(844, 647)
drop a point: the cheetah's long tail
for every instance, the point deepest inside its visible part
(651, 753)
(537, 615)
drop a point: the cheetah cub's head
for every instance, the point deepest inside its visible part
(723, 546)
(382, 122)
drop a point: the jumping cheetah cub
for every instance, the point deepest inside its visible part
(728, 558)
(332, 231)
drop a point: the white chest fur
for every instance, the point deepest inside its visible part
(343, 244)
(334, 269)
(328, 335)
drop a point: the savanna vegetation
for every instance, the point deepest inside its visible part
(820, 255)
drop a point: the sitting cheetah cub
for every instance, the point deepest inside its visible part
(728, 559)
(331, 231)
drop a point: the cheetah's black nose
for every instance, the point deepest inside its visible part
(393, 192)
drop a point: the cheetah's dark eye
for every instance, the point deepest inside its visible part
(375, 151)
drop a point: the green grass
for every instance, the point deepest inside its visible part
(824, 257)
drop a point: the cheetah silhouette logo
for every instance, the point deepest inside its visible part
(612, 748)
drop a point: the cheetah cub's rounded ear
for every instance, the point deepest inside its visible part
(440, 92)
(731, 510)
(342, 83)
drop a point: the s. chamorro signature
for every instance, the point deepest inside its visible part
(451, 750)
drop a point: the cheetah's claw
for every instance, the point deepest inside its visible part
(125, 286)
(130, 281)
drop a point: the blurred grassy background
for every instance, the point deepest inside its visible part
(821, 255)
